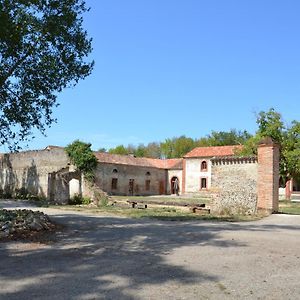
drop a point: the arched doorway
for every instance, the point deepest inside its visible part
(174, 185)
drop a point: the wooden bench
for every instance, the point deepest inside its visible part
(200, 209)
(135, 204)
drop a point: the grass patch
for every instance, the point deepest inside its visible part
(163, 200)
(163, 213)
(289, 207)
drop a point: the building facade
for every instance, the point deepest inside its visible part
(198, 166)
(217, 171)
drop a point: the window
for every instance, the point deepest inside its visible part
(203, 183)
(147, 185)
(115, 171)
(148, 174)
(114, 183)
(204, 166)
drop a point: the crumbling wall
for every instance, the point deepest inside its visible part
(29, 170)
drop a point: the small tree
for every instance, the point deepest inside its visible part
(82, 156)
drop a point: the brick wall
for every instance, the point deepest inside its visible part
(268, 176)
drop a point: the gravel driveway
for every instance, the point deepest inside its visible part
(100, 257)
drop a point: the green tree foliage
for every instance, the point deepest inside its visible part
(83, 158)
(223, 138)
(140, 151)
(291, 150)
(270, 124)
(177, 147)
(42, 51)
(118, 150)
(153, 150)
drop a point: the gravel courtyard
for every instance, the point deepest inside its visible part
(100, 257)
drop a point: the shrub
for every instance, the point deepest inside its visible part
(82, 156)
(22, 193)
(86, 200)
(78, 199)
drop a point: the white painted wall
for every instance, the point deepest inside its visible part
(194, 174)
(174, 173)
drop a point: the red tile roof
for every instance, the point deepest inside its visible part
(175, 163)
(213, 151)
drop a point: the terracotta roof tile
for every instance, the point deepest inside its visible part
(213, 151)
(175, 163)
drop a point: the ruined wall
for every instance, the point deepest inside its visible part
(106, 172)
(234, 182)
(29, 170)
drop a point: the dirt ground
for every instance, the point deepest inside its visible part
(101, 257)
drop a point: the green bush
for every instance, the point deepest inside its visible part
(22, 193)
(5, 194)
(86, 200)
(75, 200)
(78, 199)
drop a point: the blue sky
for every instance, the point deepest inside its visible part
(166, 68)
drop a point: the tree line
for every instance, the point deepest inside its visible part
(270, 124)
(178, 146)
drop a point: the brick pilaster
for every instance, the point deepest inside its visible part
(268, 176)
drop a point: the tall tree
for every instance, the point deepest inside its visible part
(43, 48)
(270, 124)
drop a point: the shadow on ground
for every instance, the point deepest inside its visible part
(109, 258)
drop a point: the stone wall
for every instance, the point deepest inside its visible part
(234, 184)
(30, 170)
(122, 174)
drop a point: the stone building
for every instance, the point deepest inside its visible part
(129, 175)
(49, 174)
(245, 183)
(197, 166)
